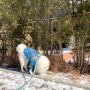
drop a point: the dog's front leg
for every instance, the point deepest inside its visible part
(22, 66)
(30, 69)
(22, 69)
(25, 64)
(22, 60)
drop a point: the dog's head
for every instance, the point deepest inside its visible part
(20, 48)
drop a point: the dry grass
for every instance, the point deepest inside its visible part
(55, 65)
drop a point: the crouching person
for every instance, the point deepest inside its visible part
(30, 55)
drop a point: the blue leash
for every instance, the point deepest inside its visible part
(24, 76)
(26, 82)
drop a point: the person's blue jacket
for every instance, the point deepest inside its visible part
(30, 54)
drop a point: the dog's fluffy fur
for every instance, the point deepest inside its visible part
(42, 64)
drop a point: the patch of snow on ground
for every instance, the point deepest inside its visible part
(12, 81)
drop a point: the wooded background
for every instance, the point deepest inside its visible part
(46, 23)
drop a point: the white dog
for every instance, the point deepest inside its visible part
(30, 55)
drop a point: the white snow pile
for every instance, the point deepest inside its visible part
(12, 81)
